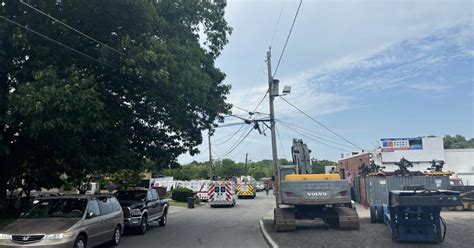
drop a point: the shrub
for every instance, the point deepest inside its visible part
(181, 194)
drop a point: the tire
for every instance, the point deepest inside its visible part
(373, 217)
(379, 214)
(143, 225)
(117, 236)
(81, 242)
(164, 218)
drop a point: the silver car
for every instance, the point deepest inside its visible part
(74, 221)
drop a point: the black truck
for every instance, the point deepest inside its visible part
(141, 207)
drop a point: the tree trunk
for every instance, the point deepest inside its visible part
(3, 192)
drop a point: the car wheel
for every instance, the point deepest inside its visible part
(117, 235)
(164, 219)
(143, 225)
(80, 242)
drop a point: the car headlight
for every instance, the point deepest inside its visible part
(136, 212)
(5, 236)
(64, 235)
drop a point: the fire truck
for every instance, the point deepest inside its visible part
(246, 187)
(221, 193)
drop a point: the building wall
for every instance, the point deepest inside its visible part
(461, 161)
(433, 148)
(351, 164)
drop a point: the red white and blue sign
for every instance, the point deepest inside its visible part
(393, 144)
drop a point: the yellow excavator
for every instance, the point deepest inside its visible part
(302, 195)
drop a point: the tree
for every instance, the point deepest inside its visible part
(148, 97)
(457, 142)
(320, 165)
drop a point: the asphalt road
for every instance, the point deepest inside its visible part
(460, 226)
(209, 227)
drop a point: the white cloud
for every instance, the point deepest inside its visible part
(428, 87)
(339, 49)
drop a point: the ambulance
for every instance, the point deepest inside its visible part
(202, 193)
(221, 193)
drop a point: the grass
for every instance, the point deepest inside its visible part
(5, 221)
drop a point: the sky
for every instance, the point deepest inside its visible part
(365, 69)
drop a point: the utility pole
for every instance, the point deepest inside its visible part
(209, 133)
(246, 160)
(272, 92)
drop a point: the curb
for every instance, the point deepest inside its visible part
(267, 236)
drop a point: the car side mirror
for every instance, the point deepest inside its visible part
(90, 215)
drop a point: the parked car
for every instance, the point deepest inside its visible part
(76, 221)
(141, 207)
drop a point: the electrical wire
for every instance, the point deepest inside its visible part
(237, 144)
(278, 22)
(314, 135)
(288, 38)
(259, 103)
(281, 144)
(54, 41)
(71, 28)
(245, 110)
(321, 124)
(229, 138)
(311, 138)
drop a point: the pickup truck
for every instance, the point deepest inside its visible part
(141, 207)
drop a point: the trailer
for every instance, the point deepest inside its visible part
(221, 193)
(414, 215)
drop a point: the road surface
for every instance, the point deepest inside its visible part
(209, 227)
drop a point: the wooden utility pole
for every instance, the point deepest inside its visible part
(246, 161)
(272, 92)
(209, 134)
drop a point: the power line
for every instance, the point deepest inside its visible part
(287, 38)
(54, 41)
(321, 124)
(314, 135)
(237, 144)
(259, 103)
(75, 30)
(229, 137)
(281, 144)
(278, 22)
(311, 138)
(237, 107)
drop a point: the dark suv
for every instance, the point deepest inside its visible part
(142, 207)
(67, 221)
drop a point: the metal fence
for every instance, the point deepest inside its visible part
(377, 188)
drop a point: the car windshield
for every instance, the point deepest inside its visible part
(58, 208)
(131, 195)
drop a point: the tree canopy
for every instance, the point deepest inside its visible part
(457, 142)
(71, 105)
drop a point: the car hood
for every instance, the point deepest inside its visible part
(40, 226)
(131, 204)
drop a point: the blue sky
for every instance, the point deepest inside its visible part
(366, 69)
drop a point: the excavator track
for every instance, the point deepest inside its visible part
(343, 218)
(284, 219)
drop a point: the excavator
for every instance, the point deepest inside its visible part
(303, 195)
